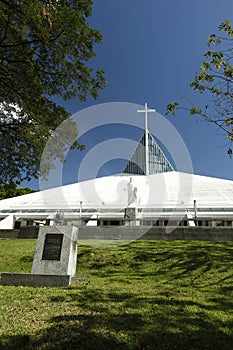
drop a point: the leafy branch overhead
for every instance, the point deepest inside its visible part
(215, 79)
(46, 52)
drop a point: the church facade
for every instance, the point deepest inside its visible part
(161, 197)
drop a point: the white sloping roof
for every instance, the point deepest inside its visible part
(170, 189)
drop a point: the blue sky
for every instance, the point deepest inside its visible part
(150, 52)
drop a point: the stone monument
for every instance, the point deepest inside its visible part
(55, 259)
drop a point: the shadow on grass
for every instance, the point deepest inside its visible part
(123, 332)
(117, 320)
(27, 259)
(104, 318)
(78, 332)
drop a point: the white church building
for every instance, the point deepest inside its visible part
(149, 192)
(156, 196)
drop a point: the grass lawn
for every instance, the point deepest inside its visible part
(146, 295)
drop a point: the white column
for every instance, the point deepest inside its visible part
(80, 212)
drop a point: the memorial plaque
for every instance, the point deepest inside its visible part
(52, 246)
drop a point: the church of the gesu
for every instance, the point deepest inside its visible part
(149, 192)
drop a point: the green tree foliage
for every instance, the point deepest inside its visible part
(46, 51)
(215, 79)
(11, 190)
